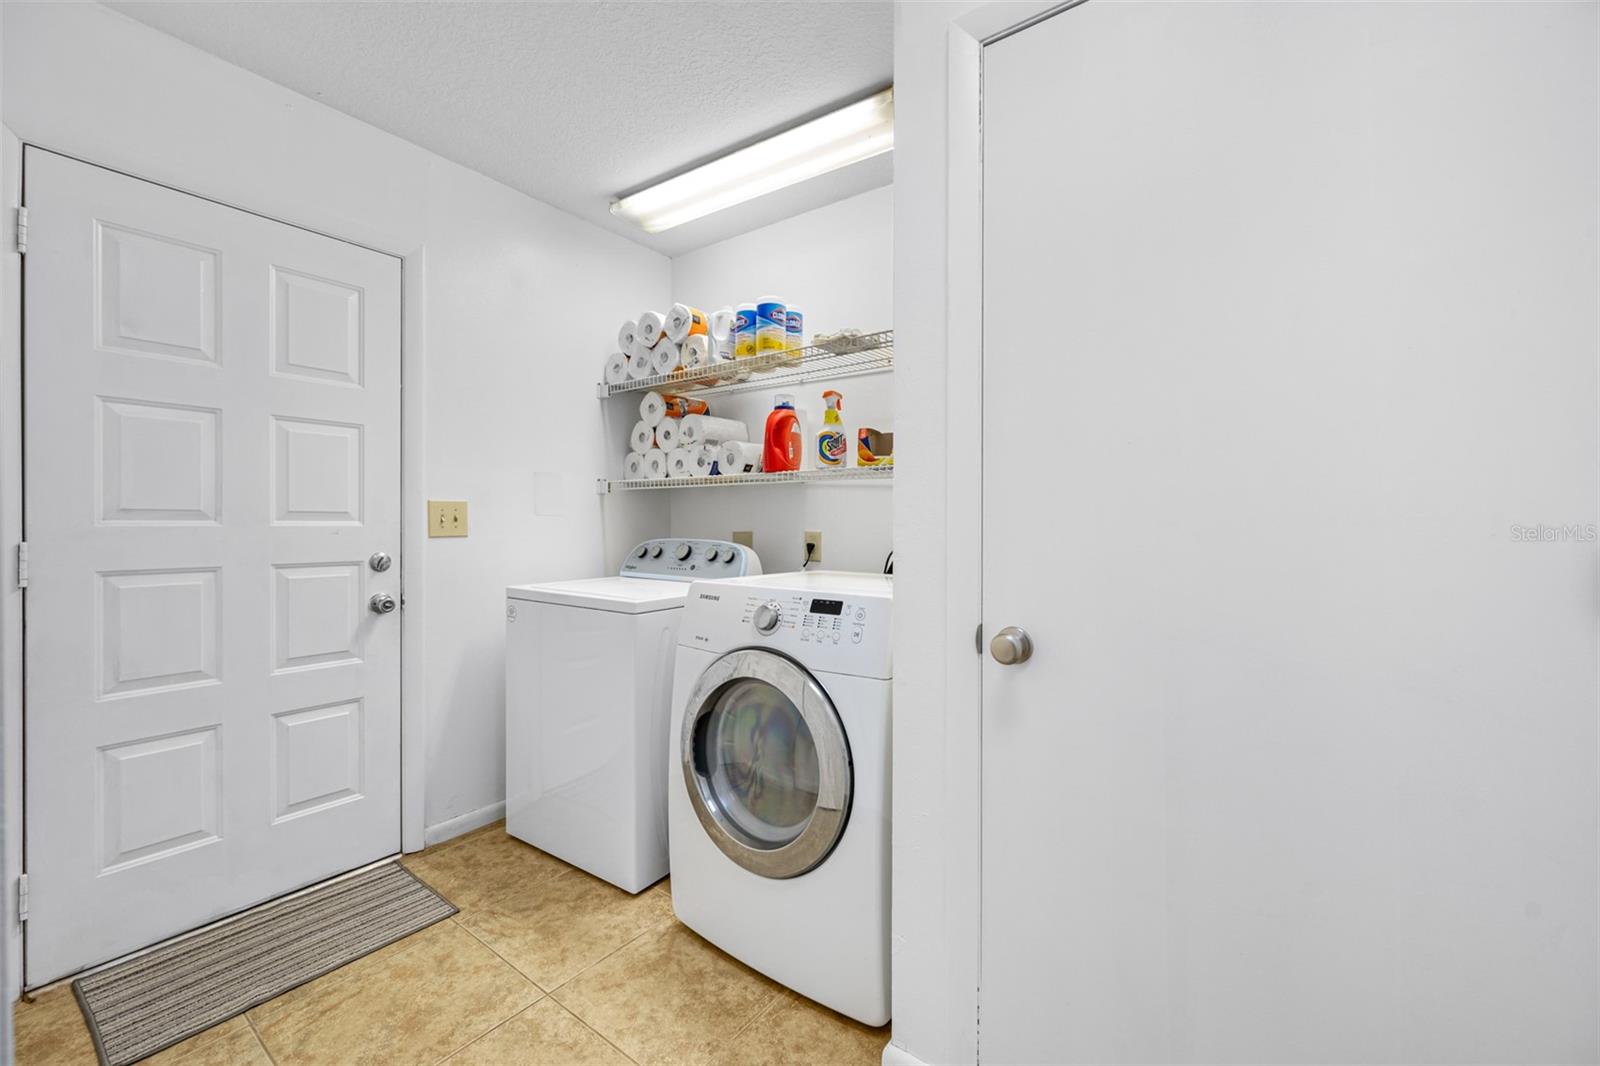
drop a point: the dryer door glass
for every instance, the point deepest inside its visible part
(766, 763)
(762, 762)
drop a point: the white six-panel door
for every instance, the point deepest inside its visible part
(212, 444)
(1290, 455)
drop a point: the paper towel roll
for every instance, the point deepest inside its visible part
(655, 464)
(695, 351)
(680, 463)
(649, 328)
(684, 321)
(641, 438)
(739, 457)
(667, 433)
(633, 466)
(616, 371)
(664, 357)
(626, 334)
(704, 429)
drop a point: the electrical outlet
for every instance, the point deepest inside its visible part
(746, 537)
(447, 518)
(813, 537)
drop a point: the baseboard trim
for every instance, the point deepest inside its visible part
(895, 1055)
(451, 828)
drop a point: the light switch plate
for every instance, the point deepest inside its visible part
(447, 518)
(747, 537)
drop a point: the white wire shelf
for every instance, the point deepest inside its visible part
(850, 474)
(872, 353)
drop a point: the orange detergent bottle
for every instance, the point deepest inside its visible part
(783, 447)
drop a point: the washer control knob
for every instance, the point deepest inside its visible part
(712, 555)
(729, 558)
(655, 553)
(644, 549)
(767, 617)
(683, 551)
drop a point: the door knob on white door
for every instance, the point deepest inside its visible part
(382, 603)
(380, 561)
(1011, 646)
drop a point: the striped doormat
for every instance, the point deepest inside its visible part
(187, 986)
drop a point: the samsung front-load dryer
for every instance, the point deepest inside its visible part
(588, 689)
(778, 792)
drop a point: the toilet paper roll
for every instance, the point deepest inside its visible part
(641, 438)
(681, 463)
(649, 328)
(705, 429)
(706, 459)
(633, 466)
(616, 371)
(639, 361)
(653, 408)
(626, 334)
(739, 457)
(664, 358)
(696, 351)
(667, 433)
(683, 321)
(655, 464)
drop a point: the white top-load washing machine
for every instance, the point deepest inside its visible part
(779, 790)
(588, 690)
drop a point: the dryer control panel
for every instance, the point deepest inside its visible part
(686, 559)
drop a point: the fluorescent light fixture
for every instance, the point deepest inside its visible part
(855, 132)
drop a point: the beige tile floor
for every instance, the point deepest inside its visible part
(544, 964)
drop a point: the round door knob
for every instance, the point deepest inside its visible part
(382, 603)
(380, 561)
(1011, 646)
(682, 551)
(767, 617)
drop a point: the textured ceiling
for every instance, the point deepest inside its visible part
(569, 102)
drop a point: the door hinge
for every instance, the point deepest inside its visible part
(22, 230)
(22, 898)
(22, 565)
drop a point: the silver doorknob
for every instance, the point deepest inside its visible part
(1011, 646)
(382, 603)
(380, 561)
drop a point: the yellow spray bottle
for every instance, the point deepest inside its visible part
(831, 443)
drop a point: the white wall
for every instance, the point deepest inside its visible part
(836, 263)
(512, 302)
